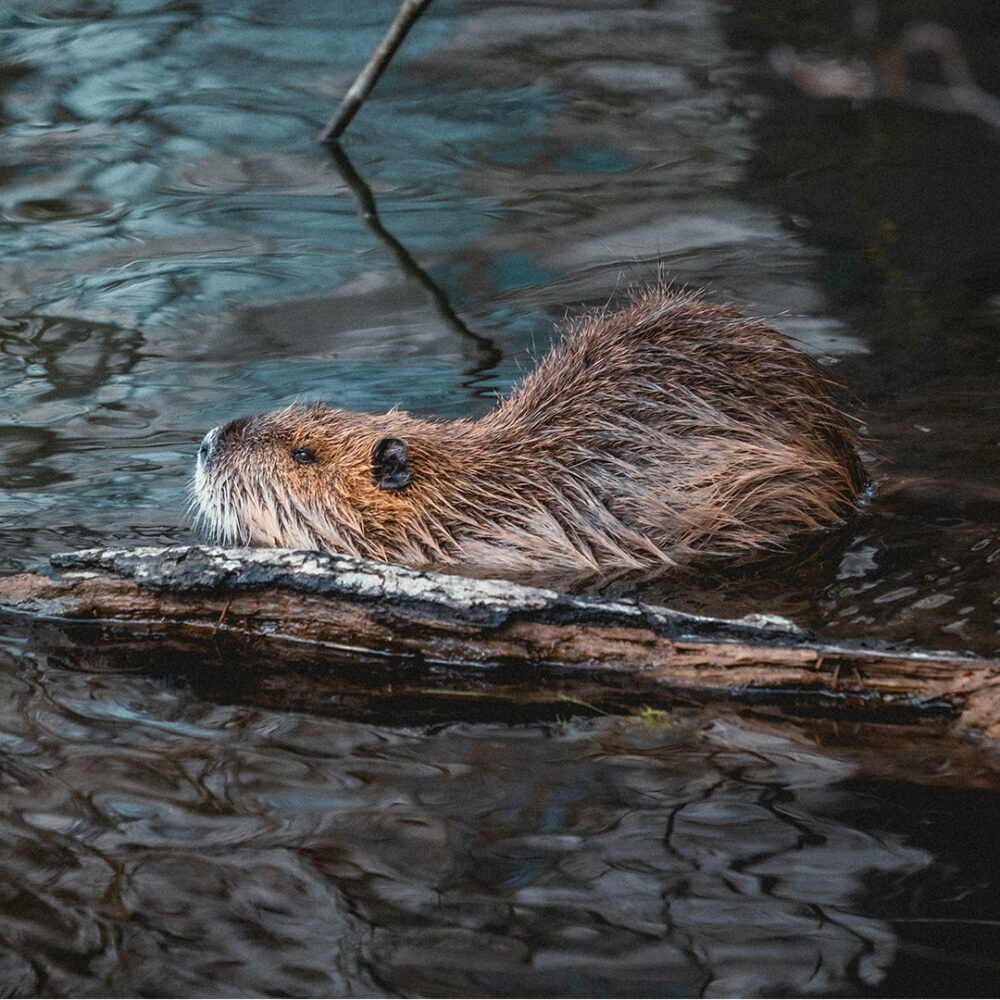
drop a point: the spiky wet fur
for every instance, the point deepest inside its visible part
(670, 429)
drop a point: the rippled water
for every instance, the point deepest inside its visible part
(177, 252)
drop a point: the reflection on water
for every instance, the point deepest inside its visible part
(177, 253)
(159, 844)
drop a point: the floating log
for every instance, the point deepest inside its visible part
(380, 633)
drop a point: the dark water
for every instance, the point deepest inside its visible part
(176, 252)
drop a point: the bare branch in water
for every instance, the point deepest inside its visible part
(368, 77)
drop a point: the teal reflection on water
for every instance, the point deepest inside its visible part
(519, 152)
(516, 270)
(190, 133)
(595, 160)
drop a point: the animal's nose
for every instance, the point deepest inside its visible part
(233, 430)
(218, 437)
(207, 444)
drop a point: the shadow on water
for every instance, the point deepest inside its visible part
(885, 157)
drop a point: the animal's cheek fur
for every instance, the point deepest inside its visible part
(380, 510)
(382, 505)
(351, 482)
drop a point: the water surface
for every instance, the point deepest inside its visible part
(176, 252)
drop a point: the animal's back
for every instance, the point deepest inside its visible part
(704, 430)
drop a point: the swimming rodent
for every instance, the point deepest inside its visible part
(672, 429)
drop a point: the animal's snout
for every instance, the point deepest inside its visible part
(207, 445)
(218, 437)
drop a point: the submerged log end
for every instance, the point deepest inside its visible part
(981, 711)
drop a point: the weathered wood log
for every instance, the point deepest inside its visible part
(397, 634)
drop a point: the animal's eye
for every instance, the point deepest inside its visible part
(304, 456)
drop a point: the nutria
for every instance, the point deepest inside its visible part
(671, 429)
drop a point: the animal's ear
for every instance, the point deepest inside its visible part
(390, 466)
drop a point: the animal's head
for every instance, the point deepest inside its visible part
(303, 478)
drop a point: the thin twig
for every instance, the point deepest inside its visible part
(368, 77)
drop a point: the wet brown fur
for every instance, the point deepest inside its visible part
(670, 429)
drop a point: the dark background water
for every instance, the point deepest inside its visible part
(176, 252)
